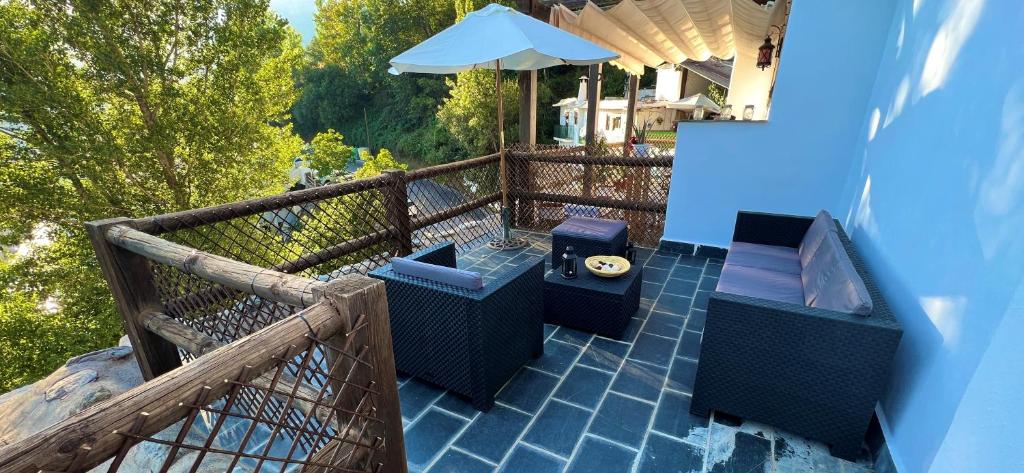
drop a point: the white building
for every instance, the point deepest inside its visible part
(662, 107)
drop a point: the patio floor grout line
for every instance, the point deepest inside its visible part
(542, 449)
(604, 396)
(472, 455)
(440, 452)
(635, 450)
(547, 400)
(668, 373)
(563, 401)
(632, 397)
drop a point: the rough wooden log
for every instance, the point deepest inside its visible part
(55, 447)
(434, 171)
(566, 157)
(130, 281)
(269, 284)
(437, 217)
(185, 337)
(202, 217)
(593, 201)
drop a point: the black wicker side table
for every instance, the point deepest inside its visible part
(592, 304)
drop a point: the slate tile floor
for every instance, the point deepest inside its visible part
(592, 404)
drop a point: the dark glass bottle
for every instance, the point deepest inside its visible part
(569, 266)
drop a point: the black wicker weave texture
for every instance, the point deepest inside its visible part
(593, 304)
(813, 372)
(470, 342)
(584, 247)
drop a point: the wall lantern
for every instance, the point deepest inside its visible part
(764, 53)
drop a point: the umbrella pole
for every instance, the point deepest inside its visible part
(506, 242)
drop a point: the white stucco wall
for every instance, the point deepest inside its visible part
(906, 120)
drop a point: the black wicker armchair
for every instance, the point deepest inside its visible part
(468, 341)
(807, 370)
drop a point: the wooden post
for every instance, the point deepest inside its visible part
(131, 282)
(528, 107)
(358, 297)
(633, 89)
(397, 204)
(593, 109)
(593, 103)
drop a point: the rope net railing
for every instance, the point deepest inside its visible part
(313, 392)
(265, 346)
(549, 184)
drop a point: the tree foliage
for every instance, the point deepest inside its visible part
(126, 108)
(329, 153)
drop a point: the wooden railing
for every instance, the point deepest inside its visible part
(321, 381)
(260, 311)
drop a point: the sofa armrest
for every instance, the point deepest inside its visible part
(770, 229)
(441, 254)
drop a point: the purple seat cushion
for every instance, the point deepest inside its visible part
(823, 225)
(752, 255)
(436, 273)
(831, 282)
(761, 283)
(592, 228)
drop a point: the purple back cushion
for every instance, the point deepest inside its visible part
(441, 274)
(831, 282)
(822, 225)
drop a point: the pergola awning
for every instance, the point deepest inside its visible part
(654, 32)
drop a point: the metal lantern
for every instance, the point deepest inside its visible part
(569, 267)
(764, 53)
(630, 252)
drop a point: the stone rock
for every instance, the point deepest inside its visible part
(82, 382)
(99, 395)
(109, 354)
(72, 382)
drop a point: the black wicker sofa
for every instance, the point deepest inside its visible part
(782, 354)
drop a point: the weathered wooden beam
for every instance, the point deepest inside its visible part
(593, 201)
(633, 89)
(54, 448)
(185, 337)
(130, 281)
(396, 206)
(436, 217)
(566, 158)
(201, 217)
(434, 171)
(269, 284)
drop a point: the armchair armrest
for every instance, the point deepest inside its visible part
(441, 254)
(770, 229)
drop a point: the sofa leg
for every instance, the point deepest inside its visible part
(483, 403)
(845, 450)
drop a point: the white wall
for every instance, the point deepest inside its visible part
(797, 161)
(907, 120)
(936, 205)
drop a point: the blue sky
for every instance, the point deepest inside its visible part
(299, 13)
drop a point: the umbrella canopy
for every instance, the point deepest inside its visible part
(499, 33)
(694, 101)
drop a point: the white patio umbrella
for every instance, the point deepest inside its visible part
(498, 37)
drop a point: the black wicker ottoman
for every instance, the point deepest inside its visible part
(588, 237)
(592, 304)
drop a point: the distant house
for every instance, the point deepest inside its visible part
(678, 95)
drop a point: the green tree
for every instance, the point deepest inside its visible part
(375, 165)
(330, 154)
(717, 94)
(126, 108)
(470, 113)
